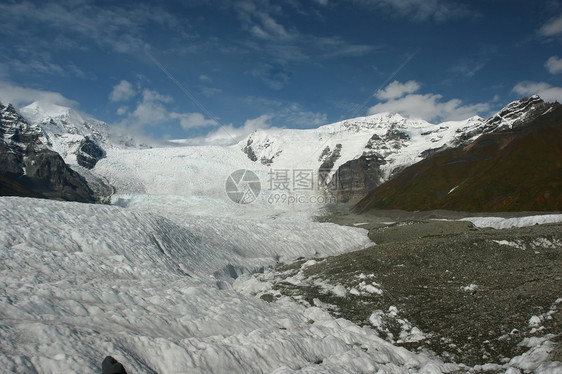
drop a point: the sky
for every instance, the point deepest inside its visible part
(218, 69)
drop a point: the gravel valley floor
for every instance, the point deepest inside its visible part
(470, 295)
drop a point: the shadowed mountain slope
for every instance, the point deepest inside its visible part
(515, 169)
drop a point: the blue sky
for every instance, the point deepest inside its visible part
(177, 69)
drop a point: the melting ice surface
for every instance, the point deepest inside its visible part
(149, 280)
(83, 281)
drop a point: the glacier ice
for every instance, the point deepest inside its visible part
(83, 281)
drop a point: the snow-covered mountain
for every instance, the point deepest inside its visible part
(80, 140)
(390, 138)
(349, 157)
(364, 152)
(78, 137)
(518, 113)
(198, 174)
(29, 167)
(515, 168)
(361, 153)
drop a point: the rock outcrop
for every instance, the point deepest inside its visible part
(29, 167)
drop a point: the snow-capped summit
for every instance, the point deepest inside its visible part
(361, 153)
(58, 119)
(392, 141)
(513, 166)
(376, 121)
(29, 165)
(387, 134)
(15, 129)
(517, 113)
(77, 137)
(366, 151)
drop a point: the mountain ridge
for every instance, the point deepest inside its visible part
(517, 167)
(358, 154)
(393, 141)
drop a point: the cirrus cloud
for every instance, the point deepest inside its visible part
(420, 10)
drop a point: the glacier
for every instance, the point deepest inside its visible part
(82, 281)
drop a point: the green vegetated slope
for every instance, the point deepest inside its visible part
(514, 170)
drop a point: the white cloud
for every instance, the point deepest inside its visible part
(21, 96)
(552, 27)
(279, 39)
(150, 111)
(228, 134)
(122, 110)
(396, 90)
(293, 115)
(334, 47)
(191, 120)
(261, 122)
(153, 111)
(275, 76)
(554, 65)
(37, 66)
(122, 91)
(400, 98)
(543, 89)
(154, 96)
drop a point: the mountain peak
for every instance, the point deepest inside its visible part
(517, 113)
(525, 102)
(11, 118)
(16, 132)
(42, 111)
(10, 109)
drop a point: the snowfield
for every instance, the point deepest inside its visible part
(173, 180)
(83, 281)
(506, 223)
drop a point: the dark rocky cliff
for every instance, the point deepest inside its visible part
(28, 167)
